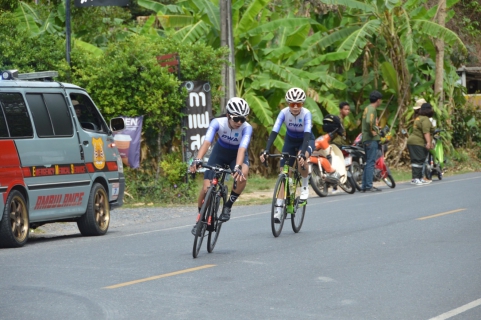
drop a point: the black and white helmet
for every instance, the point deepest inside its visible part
(238, 107)
(295, 95)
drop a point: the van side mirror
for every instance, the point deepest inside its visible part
(117, 124)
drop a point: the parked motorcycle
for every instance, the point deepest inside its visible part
(435, 160)
(320, 166)
(381, 170)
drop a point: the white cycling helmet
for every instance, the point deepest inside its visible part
(238, 107)
(295, 95)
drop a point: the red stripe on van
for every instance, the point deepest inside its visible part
(90, 167)
(10, 171)
(9, 155)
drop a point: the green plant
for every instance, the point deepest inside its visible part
(173, 168)
(466, 124)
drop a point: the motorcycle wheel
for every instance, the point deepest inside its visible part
(357, 171)
(348, 186)
(440, 175)
(319, 185)
(389, 181)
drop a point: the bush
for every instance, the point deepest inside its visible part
(466, 123)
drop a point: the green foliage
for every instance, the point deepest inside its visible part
(127, 80)
(466, 126)
(141, 188)
(8, 5)
(26, 53)
(173, 168)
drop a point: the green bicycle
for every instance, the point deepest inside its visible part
(293, 206)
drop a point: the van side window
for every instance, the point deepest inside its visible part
(61, 119)
(87, 114)
(3, 125)
(50, 115)
(14, 110)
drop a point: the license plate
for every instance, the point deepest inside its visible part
(348, 161)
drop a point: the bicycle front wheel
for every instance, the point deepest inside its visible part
(276, 226)
(202, 223)
(297, 218)
(216, 225)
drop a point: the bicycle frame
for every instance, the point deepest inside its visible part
(291, 208)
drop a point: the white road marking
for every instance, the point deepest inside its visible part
(459, 310)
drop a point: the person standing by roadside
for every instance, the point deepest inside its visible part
(344, 111)
(419, 143)
(370, 140)
(341, 136)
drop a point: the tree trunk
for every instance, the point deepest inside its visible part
(439, 44)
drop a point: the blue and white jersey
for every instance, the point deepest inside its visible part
(229, 138)
(296, 125)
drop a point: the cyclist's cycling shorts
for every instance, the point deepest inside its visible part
(293, 146)
(223, 156)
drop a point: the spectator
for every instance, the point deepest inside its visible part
(419, 143)
(340, 139)
(370, 140)
(344, 111)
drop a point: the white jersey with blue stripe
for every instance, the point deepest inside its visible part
(229, 138)
(296, 125)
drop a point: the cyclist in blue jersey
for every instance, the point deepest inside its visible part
(298, 121)
(234, 135)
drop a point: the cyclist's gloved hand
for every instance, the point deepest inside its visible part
(301, 158)
(263, 156)
(238, 175)
(197, 163)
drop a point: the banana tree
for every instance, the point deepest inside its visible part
(269, 47)
(389, 27)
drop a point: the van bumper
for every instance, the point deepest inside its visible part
(120, 200)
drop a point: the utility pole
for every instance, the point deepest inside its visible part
(227, 40)
(68, 31)
(439, 44)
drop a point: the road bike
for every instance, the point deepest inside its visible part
(207, 220)
(293, 205)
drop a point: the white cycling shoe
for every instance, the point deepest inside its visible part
(304, 193)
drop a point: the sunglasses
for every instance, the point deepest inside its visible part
(296, 104)
(237, 118)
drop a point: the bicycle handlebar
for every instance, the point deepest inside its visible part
(220, 170)
(284, 155)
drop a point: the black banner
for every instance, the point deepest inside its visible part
(198, 112)
(97, 3)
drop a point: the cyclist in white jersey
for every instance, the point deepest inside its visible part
(231, 149)
(298, 121)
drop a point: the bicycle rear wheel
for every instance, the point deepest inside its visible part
(277, 227)
(216, 224)
(297, 218)
(202, 224)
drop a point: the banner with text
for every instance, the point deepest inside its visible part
(128, 141)
(198, 112)
(96, 3)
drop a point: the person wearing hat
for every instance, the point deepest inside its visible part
(417, 106)
(370, 140)
(419, 143)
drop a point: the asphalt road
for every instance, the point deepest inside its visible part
(413, 252)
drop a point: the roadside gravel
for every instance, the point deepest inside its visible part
(118, 218)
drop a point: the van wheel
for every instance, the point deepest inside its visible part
(14, 228)
(95, 221)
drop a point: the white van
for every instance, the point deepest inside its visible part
(58, 160)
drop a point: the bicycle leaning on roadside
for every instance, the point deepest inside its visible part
(292, 206)
(207, 219)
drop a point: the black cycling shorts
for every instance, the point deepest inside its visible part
(223, 156)
(293, 146)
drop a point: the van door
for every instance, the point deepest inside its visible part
(101, 156)
(55, 174)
